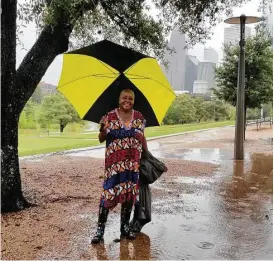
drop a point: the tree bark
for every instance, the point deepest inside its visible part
(245, 122)
(11, 193)
(62, 126)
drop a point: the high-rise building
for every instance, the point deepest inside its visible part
(201, 87)
(232, 34)
(176, 60)
(191, 69)
(205, 78)
(268, 14)
(210, 55)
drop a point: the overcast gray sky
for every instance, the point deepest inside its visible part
(53, 73)
(218, 38)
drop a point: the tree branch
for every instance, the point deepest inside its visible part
(113, 16)
(53, 40)
(128, 24)
(164, 2)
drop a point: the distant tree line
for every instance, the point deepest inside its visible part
(187, 109)
(54, 111)
(48, 112)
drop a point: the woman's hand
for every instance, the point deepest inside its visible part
(141, 137)
(104, 125)
(103, 130)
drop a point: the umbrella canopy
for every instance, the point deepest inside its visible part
(93, 77)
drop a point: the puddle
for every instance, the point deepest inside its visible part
(197, 181)
(191, 235)
(160, 150)
(207, 225)
(225, 216)
(209, 155)
(268, 140)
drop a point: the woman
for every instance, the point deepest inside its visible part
(123, 131)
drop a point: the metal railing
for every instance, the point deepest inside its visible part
(259, 122)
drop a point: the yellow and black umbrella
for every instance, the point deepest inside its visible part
(93, 77)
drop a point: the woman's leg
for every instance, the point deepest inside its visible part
(102, 219)
(126, 209)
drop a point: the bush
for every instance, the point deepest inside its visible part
(187, 109)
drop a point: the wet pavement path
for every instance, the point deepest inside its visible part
(224, 216)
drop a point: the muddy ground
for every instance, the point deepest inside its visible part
(205, 207)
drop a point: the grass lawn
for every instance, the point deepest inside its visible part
(172, 129)
(31, 142)
(39, 145)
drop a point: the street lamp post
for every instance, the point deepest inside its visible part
(240, 105)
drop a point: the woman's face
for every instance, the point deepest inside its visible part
(126, 101)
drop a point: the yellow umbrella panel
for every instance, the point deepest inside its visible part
(84, 79)
(148, 77)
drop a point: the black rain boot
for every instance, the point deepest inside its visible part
(125, 216)
(102, 219)
(135, 225)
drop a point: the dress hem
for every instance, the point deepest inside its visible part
(111, 204)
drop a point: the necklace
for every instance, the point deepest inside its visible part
(123, 112)
(125, 116)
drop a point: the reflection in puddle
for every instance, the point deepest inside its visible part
(139, 249)
(226, 216)
(210, 155)
(258, 177)
(160, 150)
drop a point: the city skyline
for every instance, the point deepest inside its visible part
(29, 36)
(211, 55)
(175, 72)
(185, 72)
(191, 72)
(205, 78)
(268, 14)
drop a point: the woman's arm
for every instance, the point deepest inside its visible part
(144, 143)
(102, 136)
(103, 130)
(141, 137)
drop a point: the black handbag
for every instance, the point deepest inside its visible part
(150, 168)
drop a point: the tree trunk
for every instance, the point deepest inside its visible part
(62, 126)
(11, 192)
(245, 122)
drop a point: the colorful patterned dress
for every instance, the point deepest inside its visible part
(122, 160)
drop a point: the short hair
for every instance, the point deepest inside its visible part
(128, 91)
